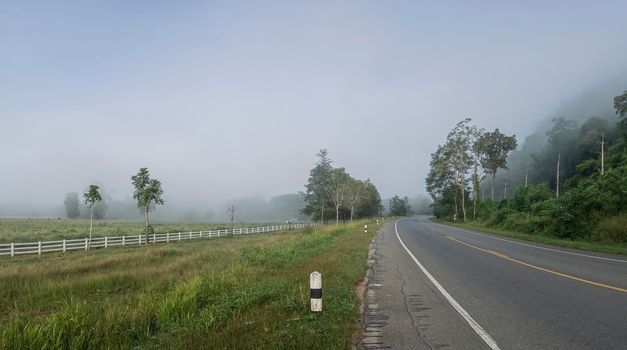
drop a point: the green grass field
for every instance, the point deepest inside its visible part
(562, 242)
(233, 292)
(32, 230)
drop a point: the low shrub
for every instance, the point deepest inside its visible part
(612, 230)
(527, 223)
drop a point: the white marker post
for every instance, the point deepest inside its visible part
(377, 222)
(365, 228)
(315, 284)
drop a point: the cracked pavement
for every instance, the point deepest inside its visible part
(402, 310)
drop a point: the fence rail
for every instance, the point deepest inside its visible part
(64, 245)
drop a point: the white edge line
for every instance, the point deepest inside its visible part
(475, 326)
(536, 246)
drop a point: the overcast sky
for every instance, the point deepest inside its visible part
(223, 99)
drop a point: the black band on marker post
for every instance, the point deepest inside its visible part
(316, 293)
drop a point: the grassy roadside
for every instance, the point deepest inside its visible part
(235, 292)
(568, 243)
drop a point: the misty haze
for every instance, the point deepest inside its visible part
(173, 174)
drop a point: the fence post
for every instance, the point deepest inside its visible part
(167, 237)
(39, 248)
(123, 240)
(139, 239)
(190, 235)
(86, 244)
(106, 242)
(154, 238)
(179, 236)
(12, 249)
(64, 245)
(315, 285)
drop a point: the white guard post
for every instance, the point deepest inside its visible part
(315, 283)
(365, 228)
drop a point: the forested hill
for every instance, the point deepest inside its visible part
(593, 102)
(569, 182)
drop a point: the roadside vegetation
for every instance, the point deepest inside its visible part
(235, 292)
(572, 189)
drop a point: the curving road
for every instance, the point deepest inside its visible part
(433, 286)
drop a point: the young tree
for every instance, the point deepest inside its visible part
(355, 191)
(337, 189)
(71, 204)
(494, 147)
(475, 161)
(230, 211)
(91, 197)
(458, 155)
(316, 195)
(148, 193)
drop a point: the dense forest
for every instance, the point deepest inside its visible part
(568, 181)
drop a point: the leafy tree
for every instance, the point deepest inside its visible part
(399, 207)
(458, 155)
(494, 147)
(441, 185)
(370, 205)
(91, 197)
(620, 104)
(561, 144)
(337, 189)
(475, 163)
(316, 194)
(355, 191)
(71, 204)
(591, 133)
(148, 193)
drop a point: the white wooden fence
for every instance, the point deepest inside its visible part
(64, 245)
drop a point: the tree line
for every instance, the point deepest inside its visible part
(332, 193)
(574, 185)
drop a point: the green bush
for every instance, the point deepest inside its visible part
(526, 197)
(612, 230)
(485, 209)
(527, 223)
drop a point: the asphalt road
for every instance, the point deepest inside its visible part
(468, 290)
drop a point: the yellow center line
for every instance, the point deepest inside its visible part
(503, 256)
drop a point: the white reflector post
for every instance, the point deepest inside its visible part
(365, 228)
(315, 283)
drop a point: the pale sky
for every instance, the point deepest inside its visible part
(224, 99)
